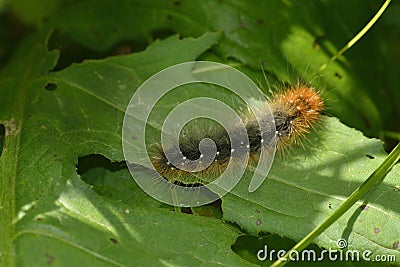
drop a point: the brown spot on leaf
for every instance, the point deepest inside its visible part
(258, 222)
(364, 207)
(50, 259)
(377, 230)
(11, 127)
(395, 245)
(257, 211)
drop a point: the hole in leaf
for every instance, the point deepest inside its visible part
(186, 210)
(113, 240)
(369, 156)
(2, 135)
(50, 86)
(94, 161)
(338, 75)
(50, 258)
(108, 179)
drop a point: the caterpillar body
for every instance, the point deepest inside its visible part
(295, 110)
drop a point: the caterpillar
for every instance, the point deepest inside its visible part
(295, 110)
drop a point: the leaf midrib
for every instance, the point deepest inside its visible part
(10, 164)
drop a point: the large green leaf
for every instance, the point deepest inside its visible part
(287, 38)
(305, 187)
(48, 214)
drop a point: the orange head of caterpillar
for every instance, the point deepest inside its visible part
(295, 111)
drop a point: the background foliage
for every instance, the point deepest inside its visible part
(68, 70)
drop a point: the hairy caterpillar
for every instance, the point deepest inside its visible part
(292, 111)
(295, 109)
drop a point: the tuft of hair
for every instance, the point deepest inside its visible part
(295, 109)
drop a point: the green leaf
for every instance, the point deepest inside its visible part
(48, 214)
(306, 186)
(51, 215)
(289, 39)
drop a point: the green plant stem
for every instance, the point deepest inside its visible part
(393, 135)
(372, 180)
(358, 36)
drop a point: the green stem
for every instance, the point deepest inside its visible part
(393, 135)
(358, 36)
(372, 180)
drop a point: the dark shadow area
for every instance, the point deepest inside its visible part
(12, 31)
(350, 223)
(73, 52)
